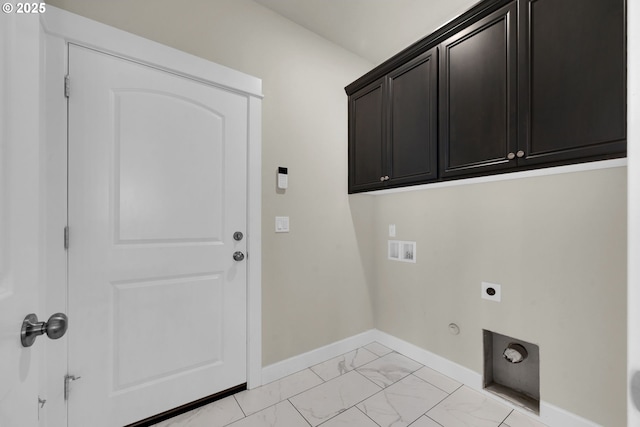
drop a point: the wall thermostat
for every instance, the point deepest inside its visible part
(283, 178)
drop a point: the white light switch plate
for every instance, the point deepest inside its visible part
(486, 292)
(282, 224)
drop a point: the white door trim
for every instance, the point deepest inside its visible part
(60, 28)
(86, 32)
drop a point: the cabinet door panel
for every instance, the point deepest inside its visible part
(413, 94)
(478, 115)
(366, 137)
(572, 79)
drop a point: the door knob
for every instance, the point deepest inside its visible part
(237, 236)
(238, 256)
(55, 328)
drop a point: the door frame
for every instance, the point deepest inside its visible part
(59, 28)
(633, 211)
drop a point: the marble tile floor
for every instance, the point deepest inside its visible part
(369, 387)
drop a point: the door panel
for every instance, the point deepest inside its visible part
(157, 187)
(152, 201)
(142, 357)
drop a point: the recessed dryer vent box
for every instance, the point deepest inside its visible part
(512, 370)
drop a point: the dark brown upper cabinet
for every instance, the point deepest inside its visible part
(393, 127)
(367, 125)
(507, 86)
(478, 96)
(412, 135)
(572, 82)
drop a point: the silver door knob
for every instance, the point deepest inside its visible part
(520, 154)
(237, 236)
(55, 328)
(381, 178)
(238, 256)
(511, 156)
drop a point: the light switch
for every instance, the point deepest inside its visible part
(282, 224)
(392, 230)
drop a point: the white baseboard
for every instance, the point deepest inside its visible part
(451, 369)
(305, 360)
(554, 416)
(550, 415)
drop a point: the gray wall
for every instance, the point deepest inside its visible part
(556, 244)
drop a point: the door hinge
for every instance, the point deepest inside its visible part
(66, 85)
(41, 403)
(67, 380)
(66, 237)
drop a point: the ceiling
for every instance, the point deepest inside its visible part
(372, 29)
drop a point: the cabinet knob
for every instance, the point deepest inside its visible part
(386, 178)
(381, 178)
(511, 156)
(520, 154)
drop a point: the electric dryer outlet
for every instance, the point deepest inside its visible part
(491, 292)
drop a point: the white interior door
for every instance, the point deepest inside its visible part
(157, 189)
(20, 207)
